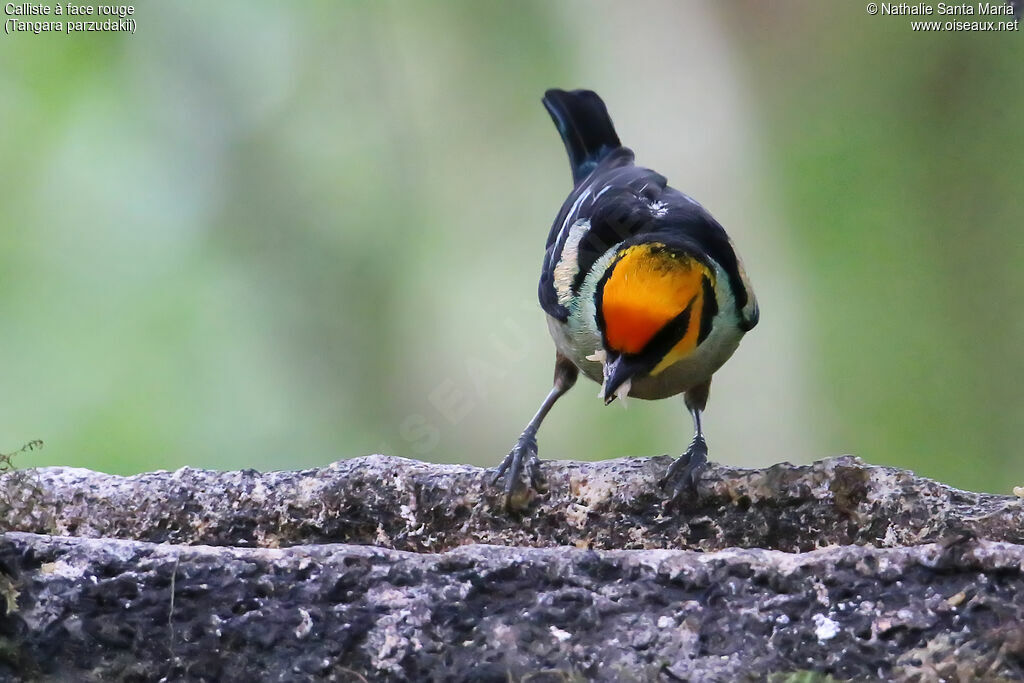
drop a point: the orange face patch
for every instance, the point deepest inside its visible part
(648, 288)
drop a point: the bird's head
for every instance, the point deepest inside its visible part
(654, 304)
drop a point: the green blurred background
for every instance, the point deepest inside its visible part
(274, 235)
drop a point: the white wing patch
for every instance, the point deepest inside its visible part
(568, 264)
(658, 209)
(578, 203)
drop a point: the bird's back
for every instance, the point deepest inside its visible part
(620, 201)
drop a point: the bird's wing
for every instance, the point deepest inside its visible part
(615, 202)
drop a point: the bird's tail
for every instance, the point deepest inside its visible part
(585, 127)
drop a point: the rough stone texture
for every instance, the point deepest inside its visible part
(918, 581)
(409, 505)
(100, 609)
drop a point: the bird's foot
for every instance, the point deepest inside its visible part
(682, 475)
(522, 457)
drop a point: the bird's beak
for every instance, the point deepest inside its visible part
(618, 378)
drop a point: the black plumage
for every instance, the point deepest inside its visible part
(616, 198)
(677, 299)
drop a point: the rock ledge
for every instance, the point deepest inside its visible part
(381, 568)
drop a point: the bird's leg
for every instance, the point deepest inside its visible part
(524, 454)
(682, 475)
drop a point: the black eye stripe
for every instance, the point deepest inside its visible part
(669, 335)
(709, 310)
(673, 331)
(661, 343)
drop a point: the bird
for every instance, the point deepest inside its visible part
(642, 289)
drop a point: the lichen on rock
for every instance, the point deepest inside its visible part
(390, 569)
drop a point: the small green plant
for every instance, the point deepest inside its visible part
(7, 459)
(801, 677)
(18, 485)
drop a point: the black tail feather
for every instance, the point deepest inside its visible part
(585, 127)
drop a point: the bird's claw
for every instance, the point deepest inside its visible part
(523, 456)
(682, 475)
